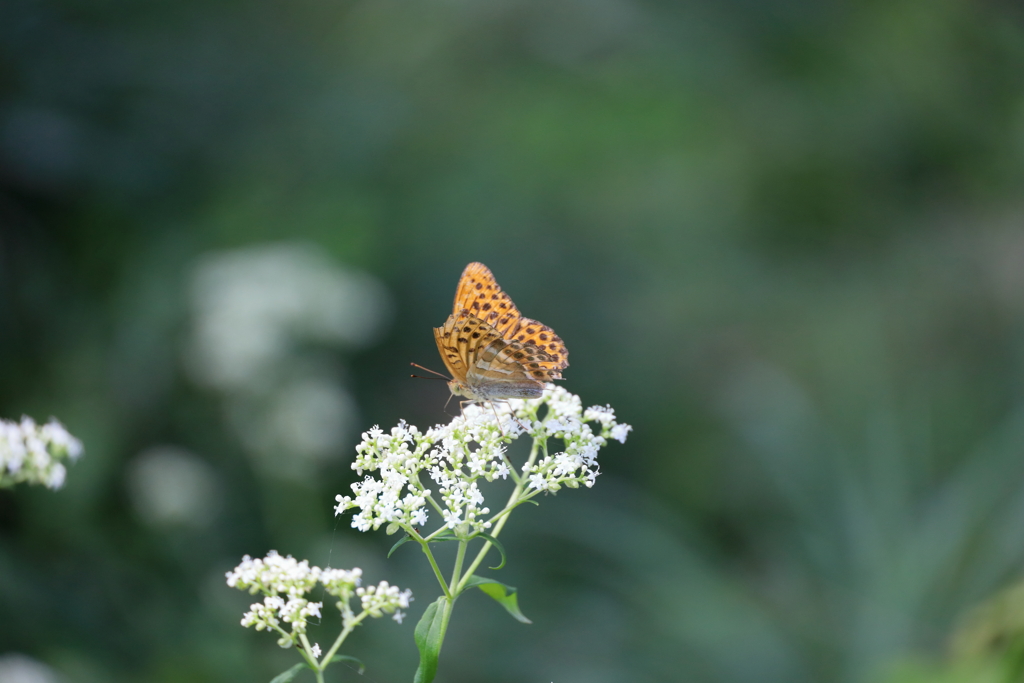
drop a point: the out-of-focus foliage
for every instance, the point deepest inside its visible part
(783, 239)
(987, 646)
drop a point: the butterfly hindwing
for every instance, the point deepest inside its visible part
(450, 354)
(479, 358)
(543, 339)
(535, 362)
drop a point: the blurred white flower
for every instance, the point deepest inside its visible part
(312, 416)
(258, 315)
(19, 668)
(253, 305)
(33, 454)
(171, 486)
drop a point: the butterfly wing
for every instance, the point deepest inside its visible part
(544, 340)
(479, 293)
(489, 367)
(450, 354)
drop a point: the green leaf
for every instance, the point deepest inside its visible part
(428, 637)
(505, 595)
(286, 676)
(349, 658)
(401, 541)
(497, 544)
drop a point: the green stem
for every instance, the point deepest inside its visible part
(458, 582)
(342, 636)
(511, 468)
(446, 615)
(513, 501)
(350, 625)
(435, 505)
(307, 653)
(457, 570)
(437, 532)
(450, 594)
(425, 546)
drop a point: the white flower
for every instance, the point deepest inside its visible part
(399, 615)
(32, 453)
(285, 583)
(452, 519)
(274, 575)
(419, 518)
(501, 471)
(619, 432)
(471, 449)
(315, 650)
(341, 582)
(383, 598)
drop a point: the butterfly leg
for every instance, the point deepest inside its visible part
(462, 409)
(512, 414)
(498, 419)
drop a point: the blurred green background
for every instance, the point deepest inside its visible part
(783, 239)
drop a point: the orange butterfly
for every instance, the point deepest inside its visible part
(491, 350)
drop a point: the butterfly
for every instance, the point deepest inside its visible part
(490, 349)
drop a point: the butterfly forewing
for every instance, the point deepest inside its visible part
(479, 293)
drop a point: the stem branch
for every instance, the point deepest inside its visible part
(513, 501)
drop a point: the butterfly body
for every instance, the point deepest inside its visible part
(491, 350)
(496, 391)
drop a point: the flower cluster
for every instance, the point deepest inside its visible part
(577, 463)
(377, 600)
(285, 582)
(33, 453)
(470, 450)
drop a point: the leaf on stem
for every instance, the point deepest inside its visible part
(504, 594)
(497, 544)
(428, 637)
(403, 539)
(286, 676)
(349, 658)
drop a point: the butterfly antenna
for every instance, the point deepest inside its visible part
(434, 372)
